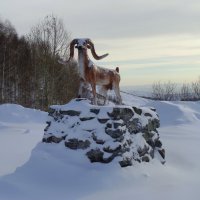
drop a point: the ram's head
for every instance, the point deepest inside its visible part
(84, 44)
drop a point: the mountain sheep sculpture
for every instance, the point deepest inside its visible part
(107, 79)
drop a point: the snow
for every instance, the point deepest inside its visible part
(20, 130)
(31, 170)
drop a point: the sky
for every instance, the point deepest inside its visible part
(149, 40)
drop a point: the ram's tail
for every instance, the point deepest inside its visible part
(117, 69)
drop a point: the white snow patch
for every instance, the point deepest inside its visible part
(54, 173)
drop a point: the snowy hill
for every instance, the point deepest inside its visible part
(20, 130)
(48, 174)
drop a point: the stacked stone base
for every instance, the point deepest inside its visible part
(105, 134)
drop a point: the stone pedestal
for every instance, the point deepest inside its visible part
(105, 134)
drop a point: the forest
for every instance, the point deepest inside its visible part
(30, 74)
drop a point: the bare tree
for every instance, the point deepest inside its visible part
(157, 91)
(49, 42)
(8, 38)
(196, 88)
(163, 91)
(169, 91)
(52, 34)
(185, 92)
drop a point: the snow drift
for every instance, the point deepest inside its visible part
(52, 172)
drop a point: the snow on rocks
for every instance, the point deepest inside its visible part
(105, 134)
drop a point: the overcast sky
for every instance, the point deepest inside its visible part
(149, 40)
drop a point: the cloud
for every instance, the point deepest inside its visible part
(115, 19)
(109, 19)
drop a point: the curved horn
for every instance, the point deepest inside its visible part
(73, 42)
(94, 52)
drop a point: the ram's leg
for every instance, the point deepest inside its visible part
(94, 93)
(117, 93)
(81, 91)
(103, 91)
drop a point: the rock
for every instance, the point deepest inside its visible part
(121, 113)
(116, 133)
(143, 151)
(95, 155)
(162, 153)
(148, 114)
(80, 99)
(51, 111)
(153, 109)
(158, 143)
(137, 110)
(125, 162)
(77, 144)
(116, 125)
(53, 139)
(119, 139)
(86, 118)
(103, 121)
(95, 111)
(70, 112)
(126, 114)
(98, 141)
(151, 126)
(145, 159)
(115, 114)
(134, 126)
(109, 125)
(48, 125)
(108, 149)
(150, 142)
(149, 136)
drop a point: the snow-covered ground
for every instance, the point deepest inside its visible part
(30, 170)
(20, 131)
